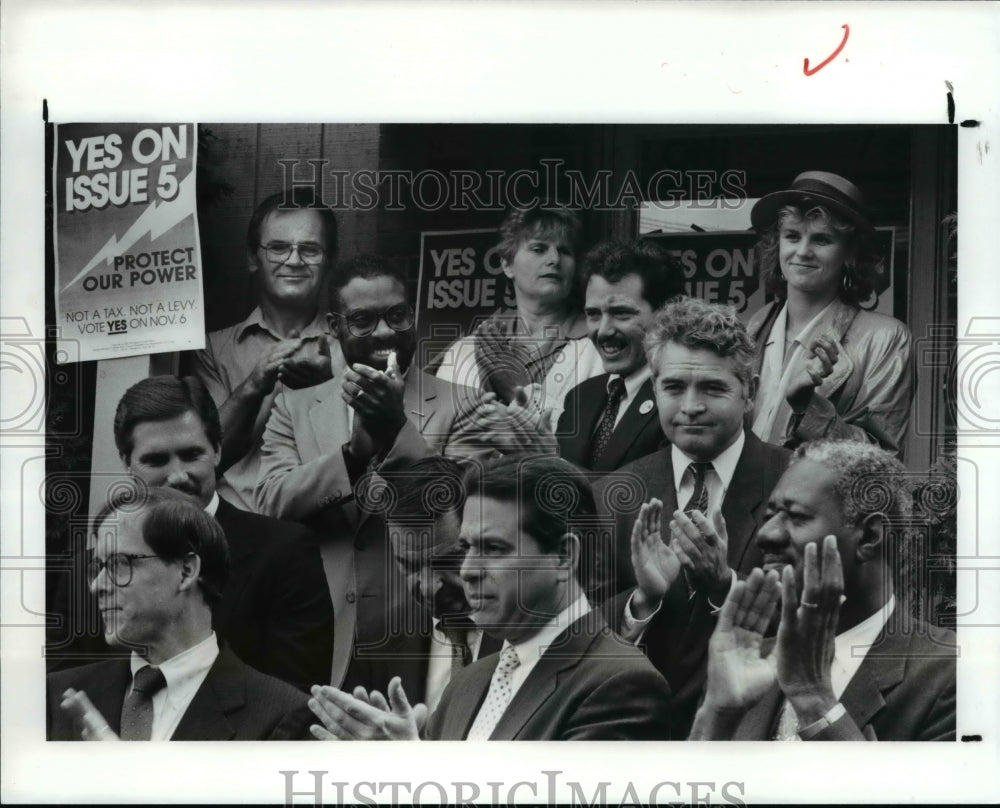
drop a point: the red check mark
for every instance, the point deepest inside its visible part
(830, 58)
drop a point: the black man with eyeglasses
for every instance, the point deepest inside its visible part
(285, 342)
(159, 571)
(324, 447)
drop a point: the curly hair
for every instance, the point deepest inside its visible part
(693, 323)
(869, 479)
(860, 277)
(661, 273)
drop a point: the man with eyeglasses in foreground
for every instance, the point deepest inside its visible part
(159, 566)
(285, 342)
(321, 443)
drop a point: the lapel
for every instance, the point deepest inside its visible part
(468, 690)
(543, 681)
(631, 425)
(328, 418)
(745, 493)
(223, 692)
(420, 398)
(882, 668)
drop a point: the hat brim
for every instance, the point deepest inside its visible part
(765, 211)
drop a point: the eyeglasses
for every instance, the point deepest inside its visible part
(281, 251)
(362, 323)
(118, 565)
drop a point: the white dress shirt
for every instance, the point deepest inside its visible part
(717, 481)
(633, 382)
(184, 674)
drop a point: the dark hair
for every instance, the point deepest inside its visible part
(552, 496)
(859, 279)
(521, 224)
(290, 199)
(173, 525)
(363, 266)
(160, 398)
(429, 488)
(693, 323)
(661, 273)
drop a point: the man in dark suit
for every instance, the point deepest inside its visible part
(561, 675)
(158, 569)
(323, 445)
(429, 633)
(708, 488)
(610, 420)
(276, 611)
(851, 664)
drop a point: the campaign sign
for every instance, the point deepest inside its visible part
(128, 263)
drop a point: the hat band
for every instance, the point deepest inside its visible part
(823, 189)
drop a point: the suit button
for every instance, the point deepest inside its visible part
(350, 598)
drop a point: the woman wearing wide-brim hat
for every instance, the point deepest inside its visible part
(828, 367)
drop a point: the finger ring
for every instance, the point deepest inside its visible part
(809, 605)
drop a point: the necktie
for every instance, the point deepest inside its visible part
(616, 393)
(497, 698)
(137, 711)
(699, 497)
(457, 632)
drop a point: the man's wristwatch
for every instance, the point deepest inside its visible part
(835, 713)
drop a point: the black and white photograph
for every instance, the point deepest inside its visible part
(605, 422)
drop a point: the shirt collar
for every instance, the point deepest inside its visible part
(530, 650)
(213, 504)
(633, 381)
(851, 647)
(185, 665)
(319, 327)
(724, 464)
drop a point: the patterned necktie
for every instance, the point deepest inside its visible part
(137, 711)
(602, 435)
(497, 698)
(457, 632)
(699, 497)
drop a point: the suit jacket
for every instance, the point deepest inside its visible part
(234, 703)
(406, 652)
(676, 639)
(589, 685)
(868, 395)
(276, 611)
(904, 690)
(304, 477)
(637, 433)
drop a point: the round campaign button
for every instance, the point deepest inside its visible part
(645, 407)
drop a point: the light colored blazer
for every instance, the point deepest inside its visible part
(303, 476)
(869, 393)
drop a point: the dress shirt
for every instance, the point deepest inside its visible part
(184, 674)
(439, 664)
(717, 481)
(773, 369)
(229, 357)
(633, 382)
(213, 504)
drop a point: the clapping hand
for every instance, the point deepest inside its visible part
(521, 426)
(702, 547)
(655, 563)
(822, 356)
(307, 366)
(377, 397)
(93, 726)
(806, 634)
(502, 361)
(366, 716)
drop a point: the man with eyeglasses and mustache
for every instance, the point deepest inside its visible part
(285, 342)
(321, 443)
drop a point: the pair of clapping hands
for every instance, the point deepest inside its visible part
(523, 425)
(697, 545)
(296, 362)
(822, 355)
(800, 664)
(366, 716)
